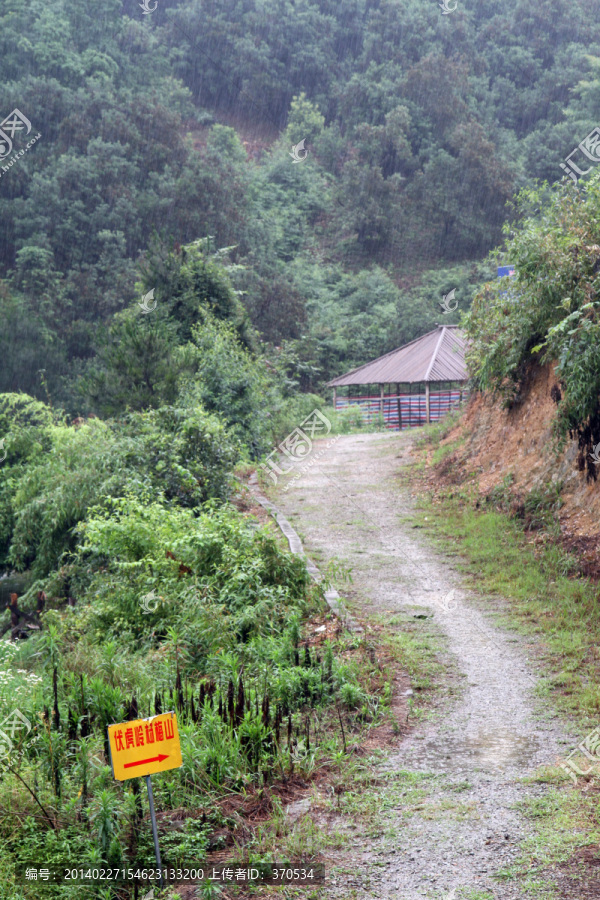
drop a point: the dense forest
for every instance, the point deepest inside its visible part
(207, 210)
(159, 130)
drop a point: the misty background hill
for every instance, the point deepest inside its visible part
(161, 129)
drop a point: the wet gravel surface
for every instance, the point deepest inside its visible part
(491, 733)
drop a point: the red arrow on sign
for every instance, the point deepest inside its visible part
(142, 762)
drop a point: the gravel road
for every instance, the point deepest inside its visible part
(492, 731)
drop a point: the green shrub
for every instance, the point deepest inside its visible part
(548, 311)
(183, 454)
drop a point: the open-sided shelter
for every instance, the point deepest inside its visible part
(417, 383)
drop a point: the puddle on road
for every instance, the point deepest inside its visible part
(492, 750)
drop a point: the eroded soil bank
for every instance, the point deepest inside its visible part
(452, 786)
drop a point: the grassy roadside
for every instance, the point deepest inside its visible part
(537, 591)
(347, 793)
(546, 599)
(234, 810)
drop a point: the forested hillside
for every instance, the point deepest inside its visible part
(208, 209)
(162, 129)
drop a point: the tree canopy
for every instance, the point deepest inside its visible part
(176, 127)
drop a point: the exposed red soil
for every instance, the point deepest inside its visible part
(579, 877)
(519, 442)
(256, 137)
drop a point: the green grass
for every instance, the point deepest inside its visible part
(561, 820)
(433, 434)
(370, 794)
(417, 645)
(533, 589)
(444, 450)
(562, 611)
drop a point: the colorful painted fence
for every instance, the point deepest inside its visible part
(413, 407)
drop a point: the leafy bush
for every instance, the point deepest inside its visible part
(185, 455)
(220, 644)
(194, 280)
(25, 434)
(230, 381)
(213, 577)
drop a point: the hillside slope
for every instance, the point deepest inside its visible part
(498, 445)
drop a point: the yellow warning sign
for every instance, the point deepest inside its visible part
(144, 746)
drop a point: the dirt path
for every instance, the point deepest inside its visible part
(467, 762)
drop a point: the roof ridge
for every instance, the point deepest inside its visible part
(385, 355)
(435, 353)
(427, 359)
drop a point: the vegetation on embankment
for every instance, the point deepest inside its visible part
(221, 640)
(549, 310)
(193, 609)
(150, 586)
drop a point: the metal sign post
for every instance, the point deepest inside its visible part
(154, 828)
(142, 747)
